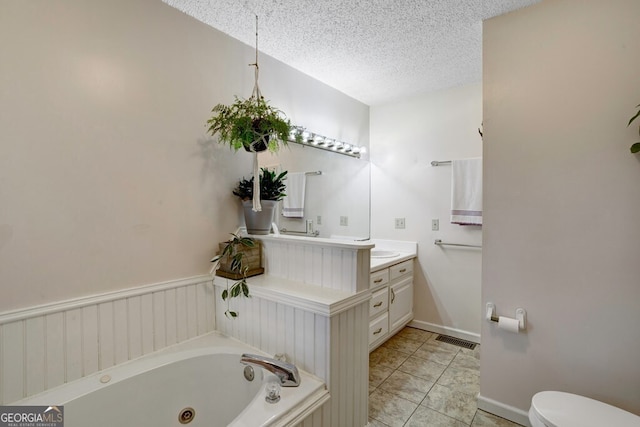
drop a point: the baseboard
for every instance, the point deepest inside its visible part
(502, 410)
(445, 330)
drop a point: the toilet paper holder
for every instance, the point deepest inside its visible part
(521, 315)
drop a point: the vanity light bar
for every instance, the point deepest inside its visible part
(301, 136)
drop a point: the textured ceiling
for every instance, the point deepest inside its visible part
(373, 50)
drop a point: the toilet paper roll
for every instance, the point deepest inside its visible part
(509, 324)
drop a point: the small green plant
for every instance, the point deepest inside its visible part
(235, 257)
(272, 186)
(250, 123)
(635, 148)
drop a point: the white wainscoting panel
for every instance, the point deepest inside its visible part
(331, 266)
(47, 346)
(333, 346)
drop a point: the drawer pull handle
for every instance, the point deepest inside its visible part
(378, 331)
(377, 281)
(403, 270)
(393, 296)
(378, 304)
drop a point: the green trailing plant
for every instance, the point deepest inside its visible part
(237, 266)
(272, 186)
(251, 124)
(635, 148)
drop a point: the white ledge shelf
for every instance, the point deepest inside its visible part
(316, 241)
(311, 298)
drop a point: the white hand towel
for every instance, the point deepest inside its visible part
(466, 191)
(293, 202)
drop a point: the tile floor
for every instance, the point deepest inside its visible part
(416, 381)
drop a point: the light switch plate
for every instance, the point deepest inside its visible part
(400, 223)
(435, 224)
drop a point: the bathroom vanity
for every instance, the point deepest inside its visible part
(391, 285)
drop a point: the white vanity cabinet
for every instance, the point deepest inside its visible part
(391, 304)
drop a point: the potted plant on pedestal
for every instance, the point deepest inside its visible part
(239, 258)
(271, 192)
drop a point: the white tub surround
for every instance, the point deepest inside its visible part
(46, 346)
(205, 374)
(312, 306)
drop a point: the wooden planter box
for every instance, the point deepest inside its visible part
(252, 258)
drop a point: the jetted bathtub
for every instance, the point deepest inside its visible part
(197, 383)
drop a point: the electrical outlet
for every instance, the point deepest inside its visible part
(435, 224)
(399, 222)
(344, 221)
(319, 220)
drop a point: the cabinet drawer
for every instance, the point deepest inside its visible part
(378, 328)
(379, 278)
(402, 269)
(379, 302)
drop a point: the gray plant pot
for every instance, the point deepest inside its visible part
(259, 222)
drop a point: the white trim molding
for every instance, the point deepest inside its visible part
(445, 330)
(502, 410)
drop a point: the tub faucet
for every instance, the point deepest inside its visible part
(286, 372)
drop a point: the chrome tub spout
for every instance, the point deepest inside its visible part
(286, 372)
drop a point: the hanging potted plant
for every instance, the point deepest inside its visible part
(272, 188)
(251, 124)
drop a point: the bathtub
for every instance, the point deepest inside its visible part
(200, 381)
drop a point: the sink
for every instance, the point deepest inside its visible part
(378, 253)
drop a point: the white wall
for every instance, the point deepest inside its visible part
(405, 137)
(562, 202)
(107, 178)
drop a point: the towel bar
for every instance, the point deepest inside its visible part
(440, 243)
(440, 162)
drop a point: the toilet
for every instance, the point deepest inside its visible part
(559, 409)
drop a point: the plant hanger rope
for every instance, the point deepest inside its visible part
(256, 88)
(257, 207)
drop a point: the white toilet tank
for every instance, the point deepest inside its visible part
(559, 409)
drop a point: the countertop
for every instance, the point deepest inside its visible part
(380, 263)
(405, 250)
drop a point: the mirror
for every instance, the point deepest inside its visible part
(337, 199)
